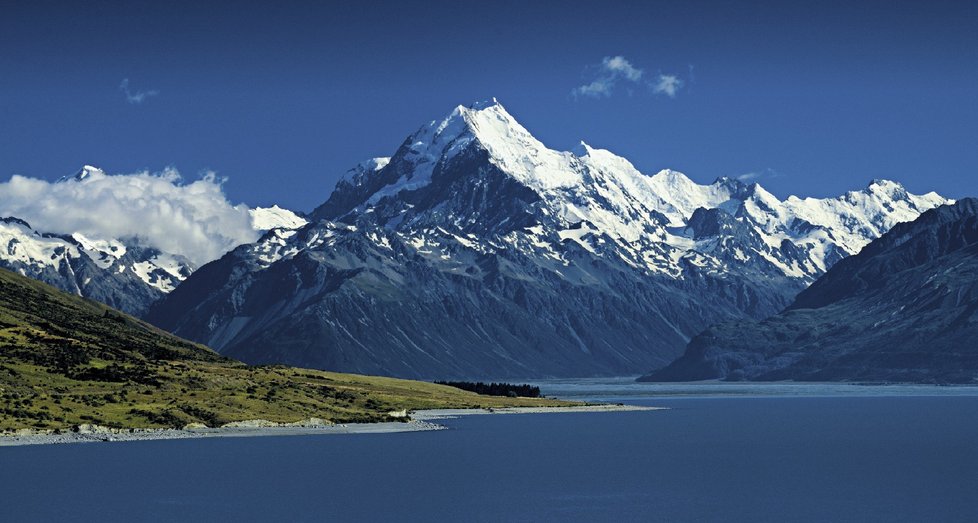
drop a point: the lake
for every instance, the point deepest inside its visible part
(720, 453)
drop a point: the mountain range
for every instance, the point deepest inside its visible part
(124, 273)
(904, 309)
(477, 251)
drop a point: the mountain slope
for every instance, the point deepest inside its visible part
(476, 251)
(65, 361)
(903, 309)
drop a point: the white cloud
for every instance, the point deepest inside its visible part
(616, 69)
(612, 70)
(194, 219)
(766, 173)
(136, 97)
(598, 88)
(619, 65)
(667, 84)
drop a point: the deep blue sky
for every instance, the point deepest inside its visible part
(820, 98)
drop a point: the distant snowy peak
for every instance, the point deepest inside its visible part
(86, 172)
(858, 217)
(125, 270)
(275, 217)
(121, 273)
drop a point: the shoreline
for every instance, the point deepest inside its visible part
(421, 420)
(437, 414)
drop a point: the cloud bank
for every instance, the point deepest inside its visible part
(135, 97)
(194, 220)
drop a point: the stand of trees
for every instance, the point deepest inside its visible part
(495, 389)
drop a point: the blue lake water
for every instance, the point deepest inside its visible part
(720, 453)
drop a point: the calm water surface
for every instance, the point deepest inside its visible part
(721, 453)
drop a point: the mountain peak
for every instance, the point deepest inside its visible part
(486, 110)
(884, 184)
(887, 189)
(87, 171)
(16, 220)
(486, 104)
(275, 217)
(582, 149)
(510, 146)
(732, 183)
(673, 177)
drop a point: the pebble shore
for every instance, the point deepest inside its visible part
(420, 420)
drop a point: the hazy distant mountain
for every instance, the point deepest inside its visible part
(477, 251)
(903, 309)
(121, 272)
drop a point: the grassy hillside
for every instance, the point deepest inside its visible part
(65, 361)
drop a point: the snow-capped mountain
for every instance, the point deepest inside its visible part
(904, 309)
(476, 251)
(121, 272)
(267, 218)
(87, 171)
(592, 192)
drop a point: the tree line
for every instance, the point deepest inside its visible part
(495, 389)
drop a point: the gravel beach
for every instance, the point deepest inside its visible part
(420, 420)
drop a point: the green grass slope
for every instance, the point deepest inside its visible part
(66, 361)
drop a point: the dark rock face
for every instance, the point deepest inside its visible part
(904, 309)
(352, 305)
